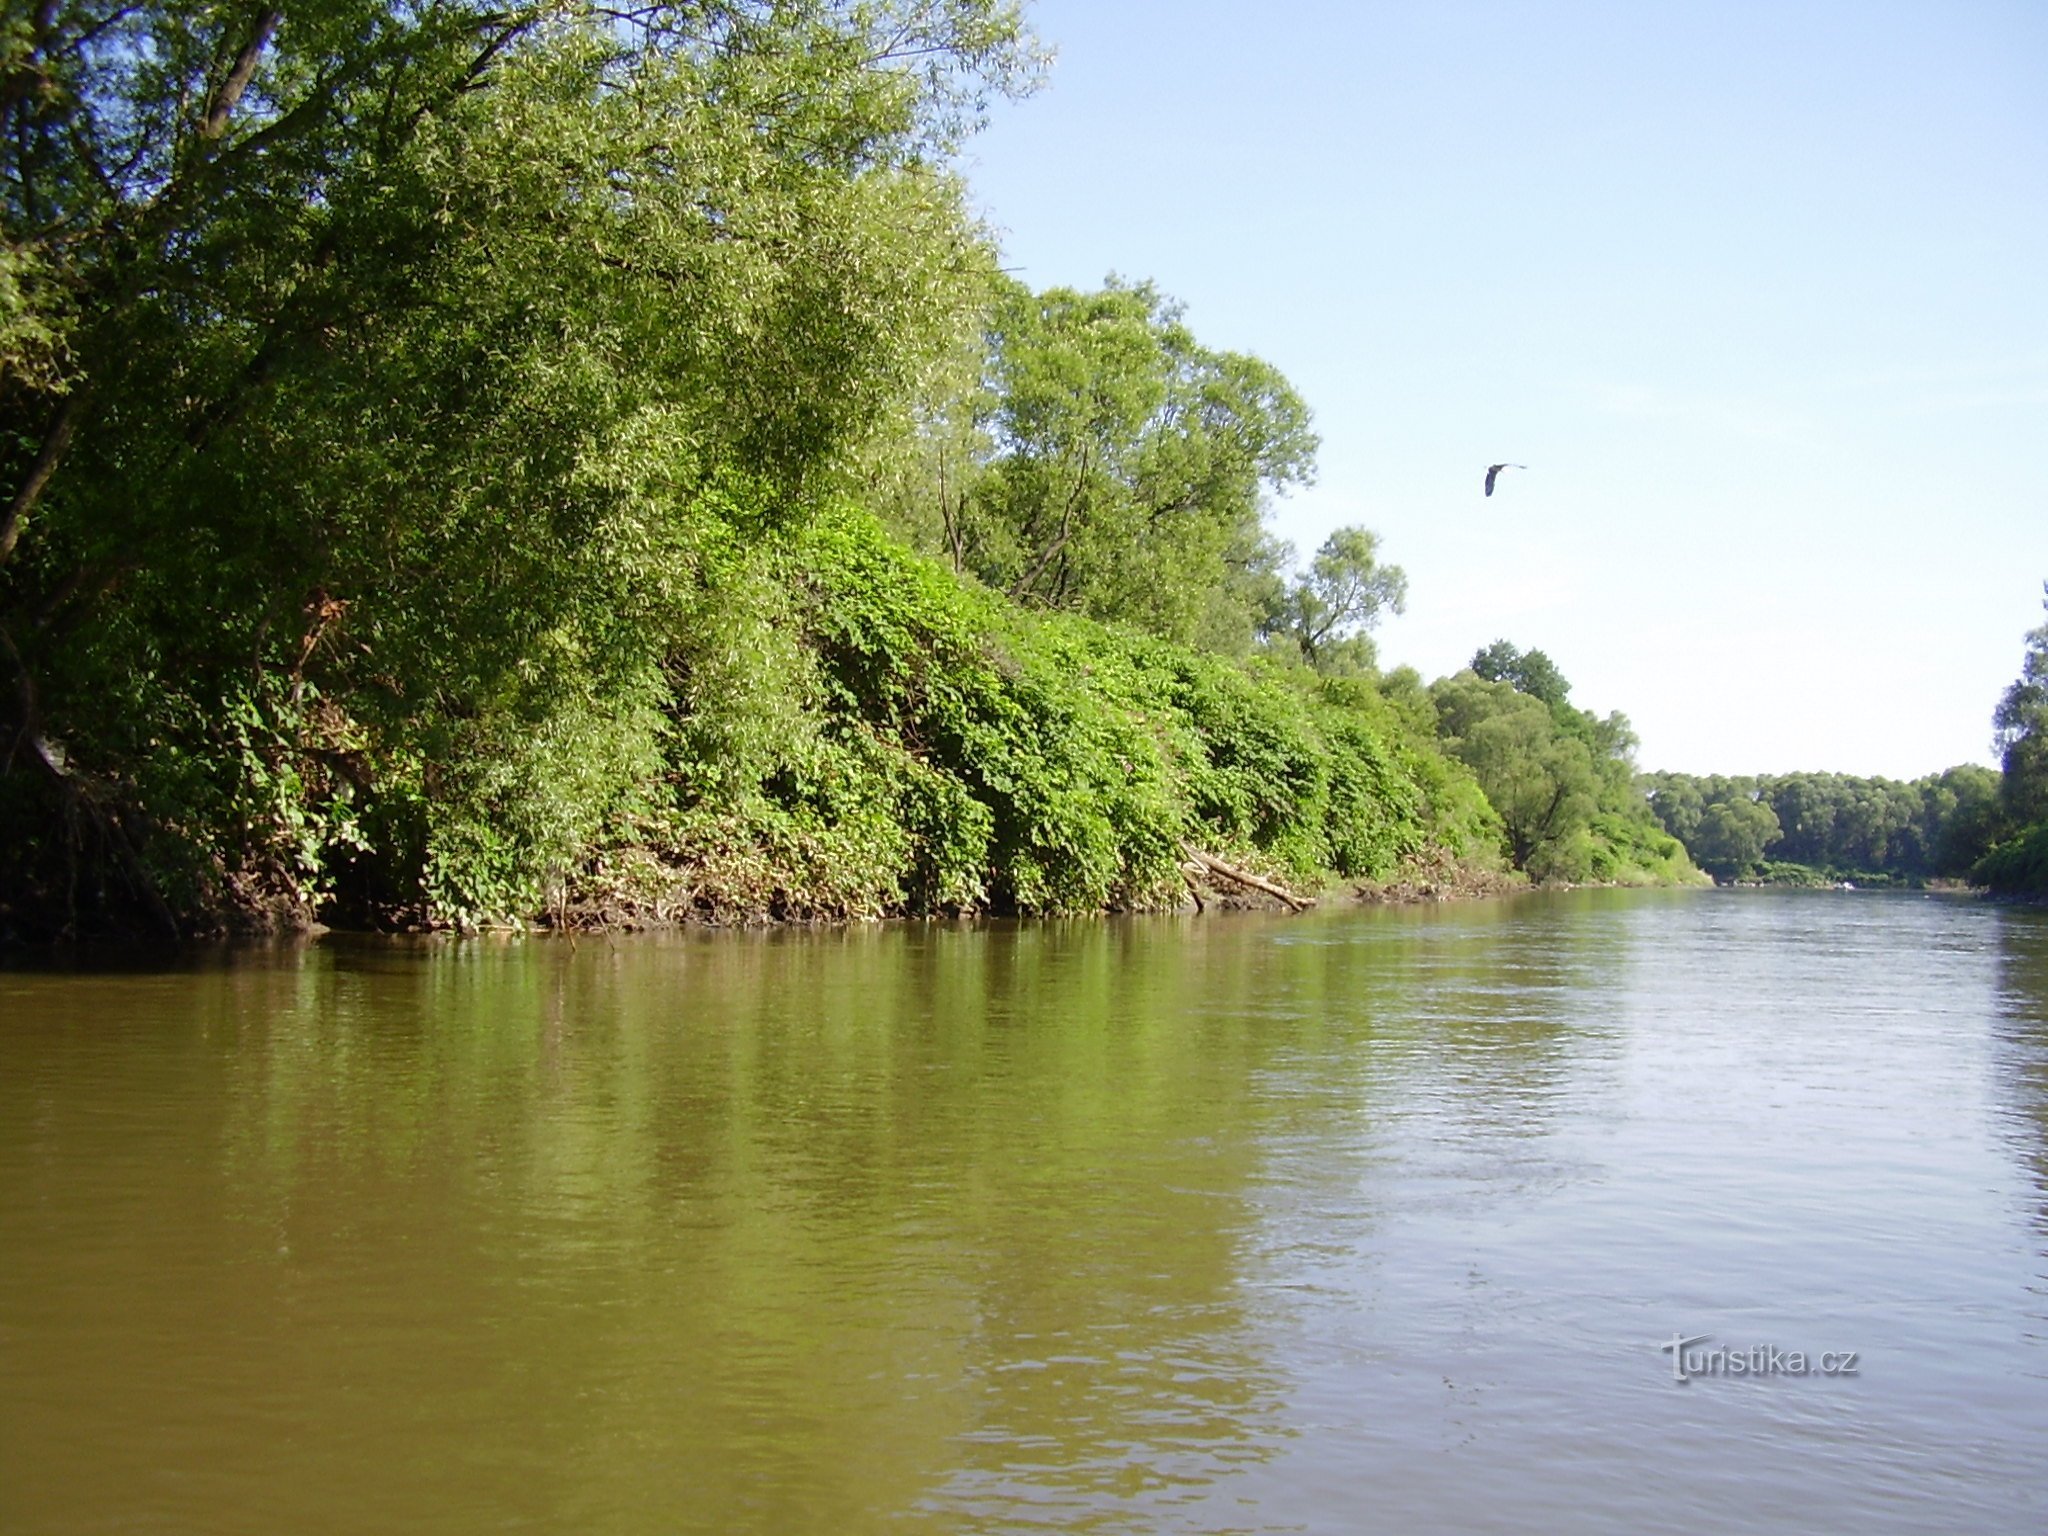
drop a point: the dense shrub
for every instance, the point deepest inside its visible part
(2018, 867)
(894, 739)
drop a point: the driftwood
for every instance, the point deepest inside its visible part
(1210, 864)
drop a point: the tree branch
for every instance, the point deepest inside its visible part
(946, 513)
(1026, 582)
(1245, 877)
(17, 84)
(215, 123)
(55, 441)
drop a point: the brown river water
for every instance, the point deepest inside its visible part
(1360, 1221)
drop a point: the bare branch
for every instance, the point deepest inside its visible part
(1244, 877)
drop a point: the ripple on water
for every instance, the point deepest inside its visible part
(1358, 1221)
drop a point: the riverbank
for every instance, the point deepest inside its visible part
(1434, 877)
(2018, 869)
(837, 729)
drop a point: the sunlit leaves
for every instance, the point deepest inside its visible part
(1128, 464)
(476, 328)
(2021, 726)
(1331, 608)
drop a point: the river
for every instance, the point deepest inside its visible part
(1363, 1220)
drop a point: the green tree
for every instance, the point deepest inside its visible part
(1540, 780)
(1675, 799)
(1966, 816)
(1130, 464)
(1732, 836)
(2020, 725)
(1332, 606)
(1530, 672)
(383, 379)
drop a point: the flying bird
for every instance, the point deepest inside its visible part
(1494, 469)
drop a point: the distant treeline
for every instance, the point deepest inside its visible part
(1832, 825)
(1970, 823)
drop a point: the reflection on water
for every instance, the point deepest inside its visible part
(1355, 1221)
(2021, 1040)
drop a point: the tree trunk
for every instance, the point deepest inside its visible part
(1245, 877)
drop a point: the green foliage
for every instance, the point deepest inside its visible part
(1732, 836)
(1022, 763)
(1540, 781)
(33, 322)
(380, 380)
(1562, 779)
(433, 440)
(1966, 815)
(2018, 867)
(1114, 467)
(2021, 727)
(1333, 605)
(1405, 693)
(1678, 800)
(2015, 831)
(1529, 672)
(1628, 848)
(1840, 825)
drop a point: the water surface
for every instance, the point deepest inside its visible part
(1357, 1221)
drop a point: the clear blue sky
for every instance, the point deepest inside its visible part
(1758, 291)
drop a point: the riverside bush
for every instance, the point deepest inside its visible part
(2017, 867)
(937, 749)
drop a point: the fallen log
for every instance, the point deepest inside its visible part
(1215, 866)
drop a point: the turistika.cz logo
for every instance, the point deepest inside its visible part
(1690, 1360)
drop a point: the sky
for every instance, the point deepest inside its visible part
(1758, 292)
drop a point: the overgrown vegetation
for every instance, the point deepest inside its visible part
(474, 463)
(905, 742)
(463, 463)
(1563, 779)
(2017, 864)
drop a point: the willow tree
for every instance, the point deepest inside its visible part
(1127, 465)
(1540, 778)
(2021, 727)
(375, 373)
(1331, 608)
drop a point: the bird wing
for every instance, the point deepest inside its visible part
(1491, 471)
